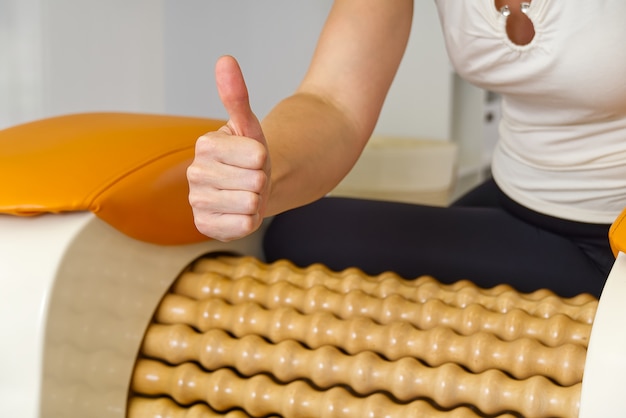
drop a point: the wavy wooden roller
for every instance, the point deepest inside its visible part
(237, 337)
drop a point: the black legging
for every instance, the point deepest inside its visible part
(483, 237)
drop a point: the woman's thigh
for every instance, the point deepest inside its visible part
(483, 244)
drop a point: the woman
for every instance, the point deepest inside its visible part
(559, 167)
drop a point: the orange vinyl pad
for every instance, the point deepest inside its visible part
(617, 234)
(129, 169)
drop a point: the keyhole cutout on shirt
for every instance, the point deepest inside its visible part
(519, 27)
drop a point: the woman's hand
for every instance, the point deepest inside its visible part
(229, 179)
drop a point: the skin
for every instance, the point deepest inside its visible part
(248, 170)
(519, 27)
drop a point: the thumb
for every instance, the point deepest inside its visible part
(233, 93)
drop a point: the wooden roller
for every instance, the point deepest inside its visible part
(502, 298)
(238, 337)
(478, 352)
(558, 329)
(404, 379)
(261, 396)
(140, 407)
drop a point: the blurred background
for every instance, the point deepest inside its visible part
(157, 56)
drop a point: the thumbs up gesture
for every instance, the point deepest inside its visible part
(229, 179)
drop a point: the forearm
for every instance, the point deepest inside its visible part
(312, 145)
(312, 138)
(316, 136)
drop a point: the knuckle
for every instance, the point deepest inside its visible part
(195, 200)
(251, 203)
(225, 229)
(259, 157)
(202, 200)
(207, 225)
(258, 181)
(207, 144)
(246, 226)
(194, 174)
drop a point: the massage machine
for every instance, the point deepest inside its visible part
(113, 305)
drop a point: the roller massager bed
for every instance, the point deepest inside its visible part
(113, 305)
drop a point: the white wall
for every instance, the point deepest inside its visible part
(274, 40)
(103, 55)
(420, 100)
(64, 56)
(21, 96)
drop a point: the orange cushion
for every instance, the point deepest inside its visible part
(617, 234)
(129, 169)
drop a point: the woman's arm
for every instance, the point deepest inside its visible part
(314, 137)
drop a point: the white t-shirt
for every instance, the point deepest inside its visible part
(562, 146)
